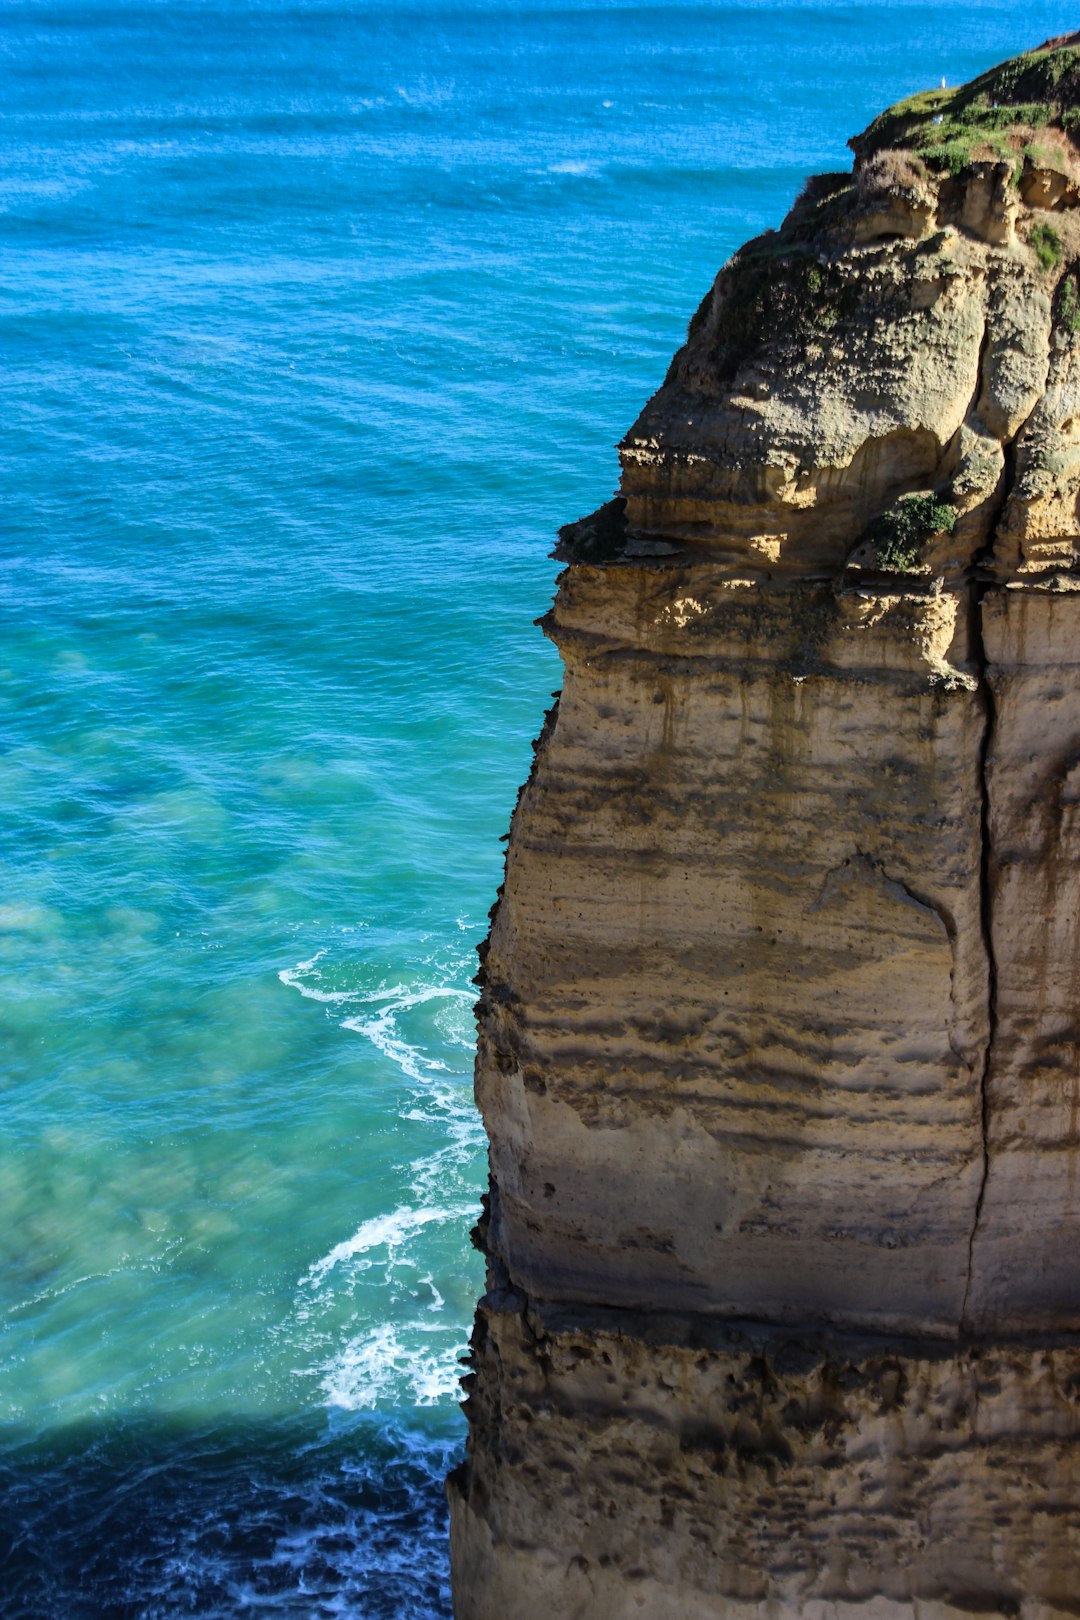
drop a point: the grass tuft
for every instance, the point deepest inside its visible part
(1049, 248)
(1067, 312)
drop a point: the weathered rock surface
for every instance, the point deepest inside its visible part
(672, 1470)
(779, 1046)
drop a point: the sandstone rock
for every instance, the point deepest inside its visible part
(779, 1050)
(626, 1466)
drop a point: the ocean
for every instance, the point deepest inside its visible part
(316, 320)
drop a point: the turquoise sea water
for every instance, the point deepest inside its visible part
(315, 320)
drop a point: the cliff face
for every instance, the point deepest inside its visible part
(780, 1026)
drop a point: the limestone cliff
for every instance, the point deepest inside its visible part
(779, 1046)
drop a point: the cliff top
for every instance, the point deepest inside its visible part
(879, 391)
(1026, 110)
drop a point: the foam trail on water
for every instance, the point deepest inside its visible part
(391, 1230)
(384, 1313)
(292, 978)
(381, 1031)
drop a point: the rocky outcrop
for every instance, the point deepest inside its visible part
(779, 1048)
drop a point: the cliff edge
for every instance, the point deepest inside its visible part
(779, 1049)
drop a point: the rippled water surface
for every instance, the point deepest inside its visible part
(315, 320)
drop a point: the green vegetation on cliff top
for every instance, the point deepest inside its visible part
(992, 117)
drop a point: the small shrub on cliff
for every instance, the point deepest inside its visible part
(821, 188)
(1048, 246)
(900, 534)
(1067, 301)
(953, 155)
(890, 173)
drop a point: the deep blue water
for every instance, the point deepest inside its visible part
(315, 321)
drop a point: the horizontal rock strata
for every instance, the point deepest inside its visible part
(779, 1049)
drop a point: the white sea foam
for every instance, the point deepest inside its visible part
(572, 166)
(401, 995)
(382, 1031)
(381, 1027)
(293, 978)
(426, 92)
(389, 1231)
(379, 1322)
(394, 1365)
(437, 1301)
(447, 1167)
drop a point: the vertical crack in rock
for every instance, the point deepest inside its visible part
(987, 923)
(779, 1032)
(982, 567)
(985, 576)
